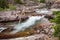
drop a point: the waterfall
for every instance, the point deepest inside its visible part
(28, 23)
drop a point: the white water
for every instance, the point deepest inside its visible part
(43, 11)
(22, 26)
(2, 28)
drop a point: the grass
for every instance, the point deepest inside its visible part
(1, 9)
(11, 7)
(56, 20)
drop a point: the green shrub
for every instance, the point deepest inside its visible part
(18, 1)
(57, 30)
(1, 9)
(12, 7)
(56, 12)
(42, 1)
(57, 21)
(4, 4)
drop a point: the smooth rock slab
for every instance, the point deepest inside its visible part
(8, 15)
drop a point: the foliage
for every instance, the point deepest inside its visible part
(12, 7)
(1, 9)
(3, 4)
(57, 21)
(57, 30)
(18, 1)
(56, 12)
(42, 1)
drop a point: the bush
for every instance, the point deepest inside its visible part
(4, 4)
(12, 7)
(57, 30)
(57, 26)
(56, 12)
(42, 1)
(18, 1)
(1, 9)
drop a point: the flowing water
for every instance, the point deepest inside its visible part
(20, 28)
(28, 23)
(43, 11)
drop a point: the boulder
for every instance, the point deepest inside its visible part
(8, 15)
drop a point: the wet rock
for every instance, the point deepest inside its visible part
(24, 18)
(44, 32)
(2, 29)
(49, 16)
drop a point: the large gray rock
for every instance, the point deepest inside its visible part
(9, 15)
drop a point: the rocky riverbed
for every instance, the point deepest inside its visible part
(40, 31)
(24, 18)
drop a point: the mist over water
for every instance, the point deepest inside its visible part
(28, 23)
